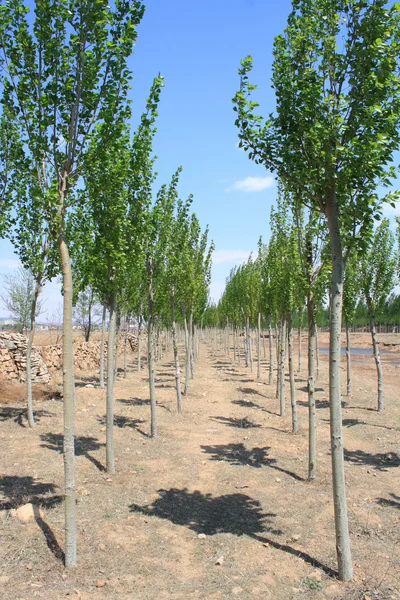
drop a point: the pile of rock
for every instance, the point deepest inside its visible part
(13, 356)
(13, 359)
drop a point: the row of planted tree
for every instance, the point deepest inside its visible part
(77, 193)
(76, 184)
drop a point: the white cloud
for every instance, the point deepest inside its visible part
(230, 256)
(9, 263)
(389, 211)
(252, 184)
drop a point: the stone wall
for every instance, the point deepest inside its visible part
(13, 359)
(45, 358)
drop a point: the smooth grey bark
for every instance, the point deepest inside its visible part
(291, 375)
(125, 347)
(116, 349)
(88, 329)
(150, 356)
(282, 343)
(271, 353)
(312, 413)
(29, 404)
(191, 350)
(139, 363)
(250, 344)
(377, 356)
(68, 393)
(317, 350)
(348, 359)
(264, 346)
(102, 344)
(176, 355)
(187, 356)
(345, 567)
(299, 340)
(110, 463)
(259, 346)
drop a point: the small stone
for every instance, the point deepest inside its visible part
(89, 385)
(220, 561)
(28, 513)
(202, 536)
(101, 583)
(203, 462)
(237, 590)
(266, 544)
(102, 428)
(278, 480)
(29, 566)
(64, 576)
(101, 547)
(365, 597)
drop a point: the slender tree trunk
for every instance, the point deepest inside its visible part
(259, 347)
(139, 362)
(89, 326)
(345, 567)
(348, 359)
(264, 346)
(291, 375)
(312, 413)
(191, 337)
(110, 464)
(378, 363)
(187, 361)
(150, 359)
(271, 353)
(250, 344)
(299, 340)
(102, 344)
(317, 350)
(116, 349)
(176, 354)
(68, 393)
(31, 419)
(282, 342)
(125, 347)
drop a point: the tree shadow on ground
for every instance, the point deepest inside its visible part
(19, 415)
(247, 390)
(83, 445)
(243, 423)
(354, 422)
(380, 462)
(237, 454)
(166, 374)
(305, 388)
(251, 404)
(135, 402)
(318, 403)
(393, 503)
(122, 422)
(239, 380)
(236, 514)
(20, 491)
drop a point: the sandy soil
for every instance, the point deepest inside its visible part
(217, 507)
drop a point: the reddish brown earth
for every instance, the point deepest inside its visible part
(224, 481)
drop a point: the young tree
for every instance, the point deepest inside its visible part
(61, 75)
(20, 291)
(336, 76)
(377, 274)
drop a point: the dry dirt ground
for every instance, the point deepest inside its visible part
(217, 507)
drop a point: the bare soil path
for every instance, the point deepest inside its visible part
(217, 507)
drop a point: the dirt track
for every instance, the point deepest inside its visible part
(228, 470)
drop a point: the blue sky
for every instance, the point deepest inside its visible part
(197, 47)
